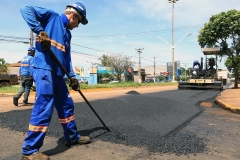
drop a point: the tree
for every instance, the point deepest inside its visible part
(230, 67)
(3, 66)
(183, 71)
(188, 71)
(104, 61)
(161, 78)
(119, 64)
(223, 30)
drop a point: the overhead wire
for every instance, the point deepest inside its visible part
(93, 49)
(13, 37)
(15, 41)
(72, 44)
(146, 32)
(14, 7)
(84, 54)
(10, 5)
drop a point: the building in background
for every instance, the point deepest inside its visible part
(86, 74)
(149, 70)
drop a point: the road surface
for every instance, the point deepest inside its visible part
(145, 123)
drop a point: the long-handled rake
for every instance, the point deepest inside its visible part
(79, 91)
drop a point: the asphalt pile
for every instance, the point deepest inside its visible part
(142, 124)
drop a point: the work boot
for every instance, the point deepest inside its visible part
(15, 100)
(35, 156)
(27, 104)
(81, 141)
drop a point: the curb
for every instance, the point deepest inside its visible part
(227, 106)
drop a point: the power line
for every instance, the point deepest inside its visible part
(17, 3)
(93, 49)
(9, 5)
(13, 37)
(85, 54)
(139, 33)
(146, 59)
(15, 41)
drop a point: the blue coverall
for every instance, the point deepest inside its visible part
(25, 73)
(50, 86)
(196, 63)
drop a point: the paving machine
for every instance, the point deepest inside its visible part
(207, 78)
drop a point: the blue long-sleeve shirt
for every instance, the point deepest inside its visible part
(42, 19)
(196, 63)
(26, 66)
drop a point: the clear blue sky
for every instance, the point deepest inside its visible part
(120, 27)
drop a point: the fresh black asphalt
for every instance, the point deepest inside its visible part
(142, 120)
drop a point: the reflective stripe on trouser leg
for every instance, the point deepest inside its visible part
(65, 108)
(41, 113)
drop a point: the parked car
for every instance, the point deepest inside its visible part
(105, 80)
(149, 80)
(83, 80)
(114, 81)
(8, 79)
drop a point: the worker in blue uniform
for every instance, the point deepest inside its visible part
(197, 64)
(53, 32)
(25, 73)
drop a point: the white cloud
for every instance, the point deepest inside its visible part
(187, 12)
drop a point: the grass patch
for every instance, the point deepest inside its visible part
(10, 89)
(15, 88)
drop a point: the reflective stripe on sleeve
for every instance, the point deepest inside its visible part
(37, 128)
(24, 64)
(58, 45)
(55, 44)
(66, 120)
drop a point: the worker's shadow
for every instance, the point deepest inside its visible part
(62, 148)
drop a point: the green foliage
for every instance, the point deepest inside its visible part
(223, 30)
(183, 78)
(124, 85)
(15, 88)
(105, 76)
(161, 78)
(104, 61)
(119, 63)
(228, 63)
(10, 89)
(220, 28)
(108, 75)
(3, 67)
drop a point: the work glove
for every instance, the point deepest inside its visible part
(74, 84)
(44, 40)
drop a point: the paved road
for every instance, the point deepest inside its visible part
(146, 123)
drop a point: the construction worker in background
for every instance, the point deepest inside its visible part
(25, 73)
(197, 64)
(53, 32)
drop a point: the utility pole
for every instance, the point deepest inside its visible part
(154, 66)
(139, 64)
(173, 63)
(31, 38)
